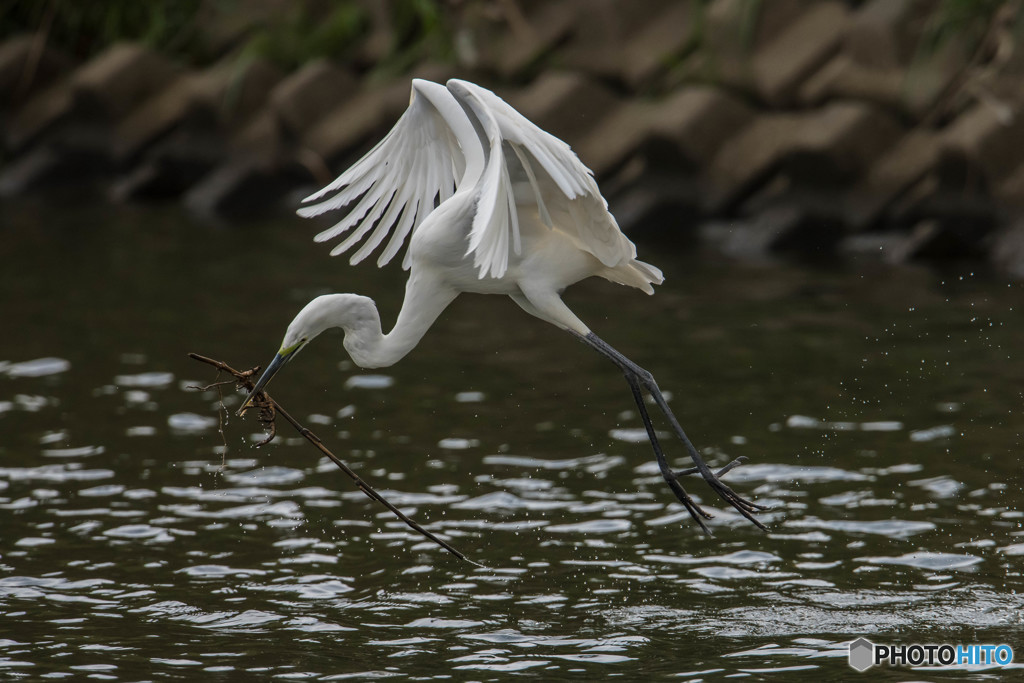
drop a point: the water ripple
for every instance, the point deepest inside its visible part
(895, 528)
(927, 560)
(40, 367)
(775, 473)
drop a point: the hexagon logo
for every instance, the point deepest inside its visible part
(862, 654)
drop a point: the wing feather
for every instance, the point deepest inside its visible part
(391, 188)
(564, 190)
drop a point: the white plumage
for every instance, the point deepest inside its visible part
(464, 140)
(488, 203)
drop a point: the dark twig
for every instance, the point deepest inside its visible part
(269, 409)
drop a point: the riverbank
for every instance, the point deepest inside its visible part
(811, 127)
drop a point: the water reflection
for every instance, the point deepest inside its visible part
(140, 542)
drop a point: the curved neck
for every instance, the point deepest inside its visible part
(365, 341)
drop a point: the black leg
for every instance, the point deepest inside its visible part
(671, 477)
(638, 377)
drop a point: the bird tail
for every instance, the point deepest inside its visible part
(635, 274)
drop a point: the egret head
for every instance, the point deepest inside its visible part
(322, 313)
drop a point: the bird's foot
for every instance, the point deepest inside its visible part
(742, 505)
(696, 511)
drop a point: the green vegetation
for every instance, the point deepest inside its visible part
(84, 27)
(288, 33)
(302, 35)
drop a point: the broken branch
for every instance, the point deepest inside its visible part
(269, 409)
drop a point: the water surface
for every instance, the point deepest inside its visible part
(879, 408)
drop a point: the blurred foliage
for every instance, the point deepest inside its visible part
(287, 32)
(302, 34)
(967, 20)
(84, 27)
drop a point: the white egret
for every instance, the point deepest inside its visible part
(491, 204)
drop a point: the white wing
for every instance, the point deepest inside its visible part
(397, 181)
(562, 186)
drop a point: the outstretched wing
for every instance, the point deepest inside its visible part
(562, 186)
(397, 181)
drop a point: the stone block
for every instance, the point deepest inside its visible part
(650, 49)
(825, 147)
(939, 240)
(239, 188)
(47, 166)
(733, 32)
(565, 104)
(981, 144)
(786, 227)
(616, 138)
(99, 92)
(172, 165)
(41, 113)
(1008, 249)
(781, 66)
(909, 160)
(520, 46)
(28, 64)
(362, 119)
(1011, 190)
(883, 34)
(698, 120)
(662, 208)
(679, 134)
(120, 78)
(220, 97)
(603, 29)
(843, 78)
(914, 91)
(301, 99)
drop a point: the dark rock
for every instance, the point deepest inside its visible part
(904, 164)
(980, 147)
(733, 31)
(1011, 190)
(42, 112)
(603, 29)
(936, 241)
(28, 64)
(306, 96)
(824, 147)
(785, 228)
(366, 115)
(565, 104)
(1008, 250)
(613, 141)
(242, 187)
(363, 118)
(120, 78)
(844, 78)
(47, 166)
(694, 122)
(522, 45)
(654, 207)
(882, 34)
(682, 132)
(172, 165)
(782, 65)
(651, 49)
(98, 93)
(221, 97)
(294, 106)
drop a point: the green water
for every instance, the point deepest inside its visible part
(879, 408)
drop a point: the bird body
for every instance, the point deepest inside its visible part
(489, 204)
